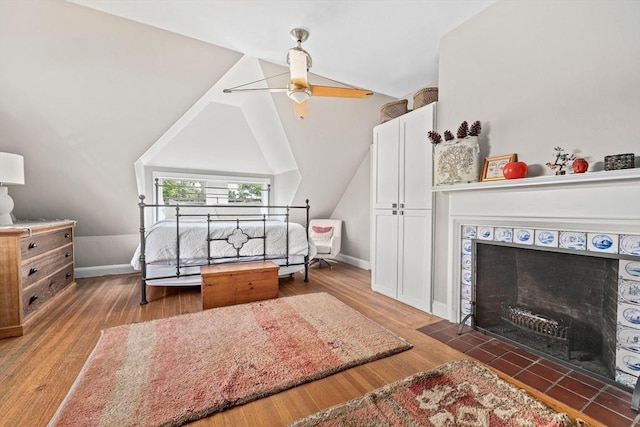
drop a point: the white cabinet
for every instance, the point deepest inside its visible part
(402, 158)
(401, 221)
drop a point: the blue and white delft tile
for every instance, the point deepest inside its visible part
(485, 233)
(626, 379)
(630, 270)
(628, 339)
(468, 231)
(465, 276)
(630, 245)
(629, 314)
(523, 236)
(465, 292)
(628, 362)
(503, 234)
(466, 246)
(548, 238)
(628, 291)
(465, 262)
(573, 240)
(602, 242)
(465, 307)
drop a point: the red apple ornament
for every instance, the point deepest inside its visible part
(514, 170)
(580, 165)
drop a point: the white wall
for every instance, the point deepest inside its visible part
(540, 75)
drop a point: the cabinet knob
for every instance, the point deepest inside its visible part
(67, 275)
(67, 255)
(33, 245)
(401, 205)
(394, 205)
(394, 212)
(33, 299)
(33, 270)
(401, 213)
(67, 235)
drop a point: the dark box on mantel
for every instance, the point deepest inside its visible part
(619, 161)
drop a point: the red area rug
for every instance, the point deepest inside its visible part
(170, 371)
(460, 393)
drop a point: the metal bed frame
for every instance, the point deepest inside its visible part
(237, 238)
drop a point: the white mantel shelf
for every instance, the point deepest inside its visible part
(541, 181)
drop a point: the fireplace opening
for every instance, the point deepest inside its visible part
(560, 304)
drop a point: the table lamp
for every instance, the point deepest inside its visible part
(11, 173)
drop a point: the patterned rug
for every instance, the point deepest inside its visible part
(460, 393)
(170, 371)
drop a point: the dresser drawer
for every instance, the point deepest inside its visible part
(44, 242)
(35, 269)
(39, 293)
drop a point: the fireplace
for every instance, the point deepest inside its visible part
(560, 304)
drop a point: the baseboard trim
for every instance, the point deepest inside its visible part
(103, 270)
(440, 309)
(354, 261)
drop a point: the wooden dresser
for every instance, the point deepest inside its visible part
(36, 260)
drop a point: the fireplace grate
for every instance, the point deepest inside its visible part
(557, 330)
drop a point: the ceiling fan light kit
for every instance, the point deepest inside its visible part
(299, 90)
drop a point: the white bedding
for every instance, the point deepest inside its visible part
(161, 241)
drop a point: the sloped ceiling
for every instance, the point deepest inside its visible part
(85, 94)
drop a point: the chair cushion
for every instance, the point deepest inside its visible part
(323, 247)
(321, 234)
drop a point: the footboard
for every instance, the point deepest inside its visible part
(193, 235)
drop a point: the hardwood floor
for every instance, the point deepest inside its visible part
(37, 370)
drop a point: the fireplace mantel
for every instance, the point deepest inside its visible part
(544, 181)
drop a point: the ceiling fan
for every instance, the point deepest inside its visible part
(299, 89)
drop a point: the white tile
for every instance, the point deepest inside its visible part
(469, 231)
(465, 292)
(629, 315)
(466, 262)
(628, 291)
(465, 276)
(548, 238)
(573, 240)
(485, 233)
(630, 270)
(523, 236)
(467, 246)
(503, 234)
(630, 245)
(626, 379)
(602, 242)
(628, 362)
(628, 338)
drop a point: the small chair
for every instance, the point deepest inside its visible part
(327, 235)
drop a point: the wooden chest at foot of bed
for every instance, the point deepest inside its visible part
(238, 283)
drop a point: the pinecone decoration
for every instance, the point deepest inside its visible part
(476, 128)
(463, 130)
(448, 136)
(434, 137)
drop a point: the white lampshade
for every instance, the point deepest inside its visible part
(11, 169)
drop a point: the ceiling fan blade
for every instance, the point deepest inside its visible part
(342, 92)
(300, 110)
(298, 67)
(257, 89)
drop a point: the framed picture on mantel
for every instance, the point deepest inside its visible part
(493, 166)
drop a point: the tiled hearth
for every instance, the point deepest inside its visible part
(603, 402)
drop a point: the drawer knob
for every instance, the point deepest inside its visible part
(67, 255)
(67, 235)
(33, 245)
(67, 275)
(33, 299)
(33, 270)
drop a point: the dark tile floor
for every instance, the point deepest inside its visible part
(603, 402)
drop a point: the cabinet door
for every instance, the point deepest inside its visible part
(416, 159)
(386, 139)
(384, 252)
(414, 258)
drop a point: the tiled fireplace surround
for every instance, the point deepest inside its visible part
(596, 212)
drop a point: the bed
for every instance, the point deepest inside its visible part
(172, 250)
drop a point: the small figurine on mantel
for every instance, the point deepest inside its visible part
(561, 161)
